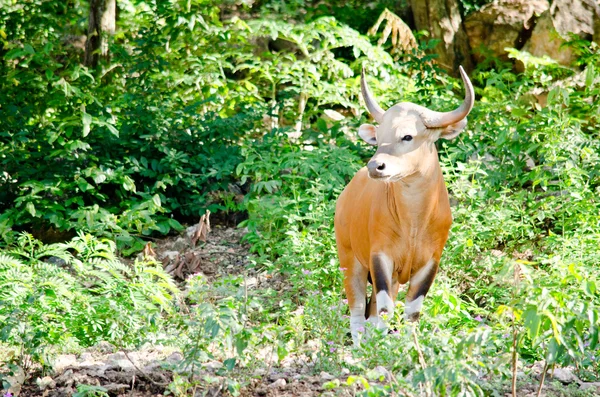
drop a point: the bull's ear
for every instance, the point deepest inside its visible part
(453, 130)
(368, 133)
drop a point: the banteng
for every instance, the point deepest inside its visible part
(393, 218)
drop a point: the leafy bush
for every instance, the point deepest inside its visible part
(52, 294)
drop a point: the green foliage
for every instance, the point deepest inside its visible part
(202, 108)
(52, 294)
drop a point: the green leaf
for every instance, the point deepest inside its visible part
(87, 122)
(112, 130)
(554, 323)
(30, 208)
(156, 200)
(532, 321)
(322, 125)
(590, 75)
(28, 49)
(99, 178)
(14, 53)
(230, 363)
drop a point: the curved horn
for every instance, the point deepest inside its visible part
(371, 103)
(434, 119)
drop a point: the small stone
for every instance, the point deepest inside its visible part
(345, 371)
(54, 260)
(278, 383)
(171, 255)
(190, 231)
(180, 244)
(65, 378)
(45, 383)
(213, 365)
(86, 357)
(63, 361)
(120, 360)
(325, 376)
(116, 387)
(104, 347)
(564, 375)
(174, 358)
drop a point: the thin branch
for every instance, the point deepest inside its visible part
(515, 358)
(428, 392)
(539, 392)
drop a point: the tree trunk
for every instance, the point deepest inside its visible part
(102, 22)
(442, 19)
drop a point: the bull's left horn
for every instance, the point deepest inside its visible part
(372, 105)
(443, 119)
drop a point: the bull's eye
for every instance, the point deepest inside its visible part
(407, 138)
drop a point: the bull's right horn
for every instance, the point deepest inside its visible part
(433, 119)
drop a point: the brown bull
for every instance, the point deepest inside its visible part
(393, 218)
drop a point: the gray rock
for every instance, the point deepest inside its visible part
(554, 26)
(591, 386)
(116, 387)
(55, 260)
(63, 361)
(85, 356)
(45, 383)
(120, 361)
(168, 254)
(213, 365)
(325, 376)
(564, 375)
(174, 358)
(190, 231)
(278, 383)
(502, 24)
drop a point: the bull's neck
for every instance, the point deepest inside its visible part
(415, 196)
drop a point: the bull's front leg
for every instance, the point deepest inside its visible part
(420, 282)
(355, 284)
(381, 269)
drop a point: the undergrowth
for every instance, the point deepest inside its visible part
(194, 113)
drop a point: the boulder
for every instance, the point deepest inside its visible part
(501, 24)
(554, 27)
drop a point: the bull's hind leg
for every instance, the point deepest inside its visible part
(420, 282)
(355, 284)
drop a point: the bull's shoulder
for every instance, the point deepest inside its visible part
(353, 190)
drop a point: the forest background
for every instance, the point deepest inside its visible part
(122, 121)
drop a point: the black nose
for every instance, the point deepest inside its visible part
(376, 168)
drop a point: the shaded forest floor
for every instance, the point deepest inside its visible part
(149, 371)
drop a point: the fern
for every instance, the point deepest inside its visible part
(90, 295)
